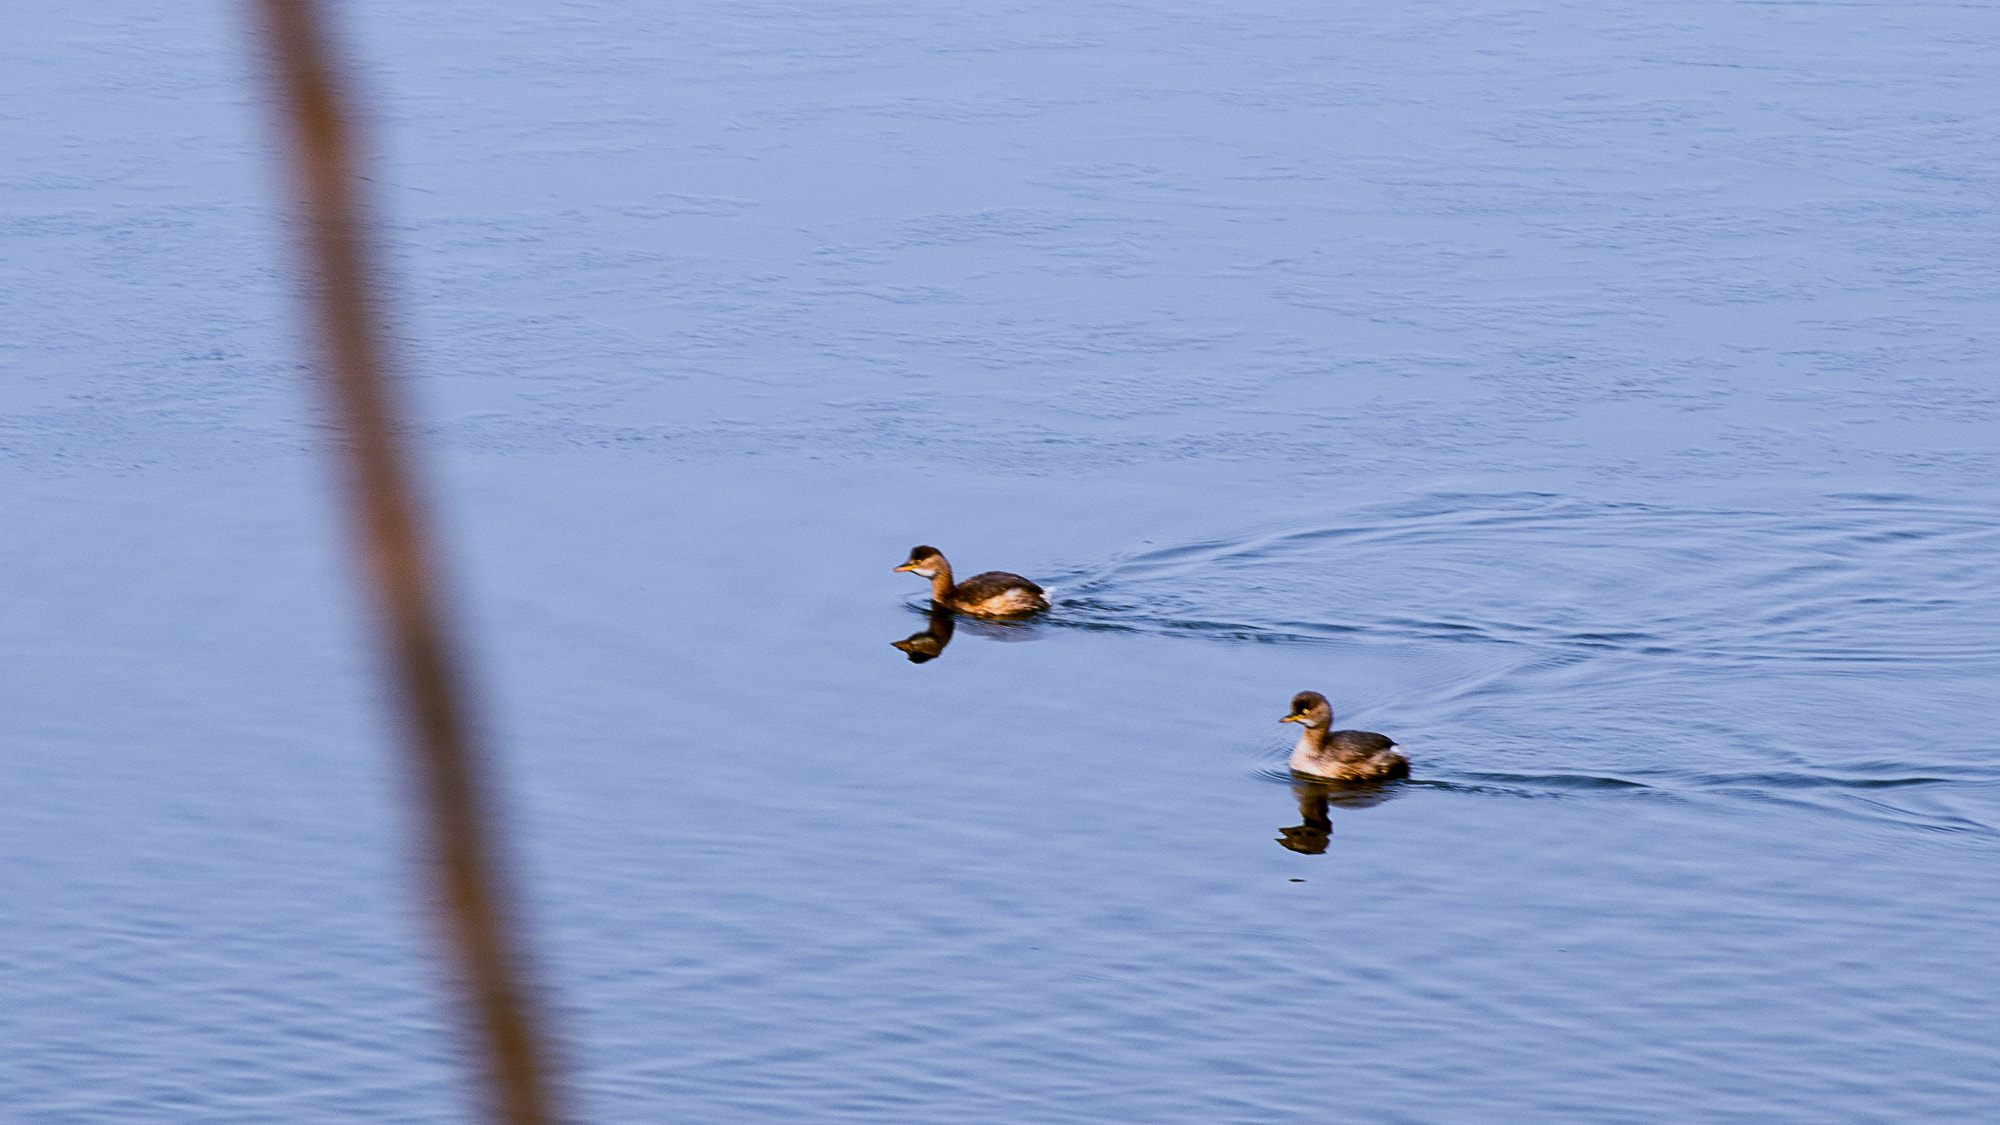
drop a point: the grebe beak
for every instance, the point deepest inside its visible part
(1293, 719)
(904, 567)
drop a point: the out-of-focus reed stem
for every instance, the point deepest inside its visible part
(396, 553)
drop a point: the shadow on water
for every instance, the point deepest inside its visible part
(929, 643)
(1315, 827)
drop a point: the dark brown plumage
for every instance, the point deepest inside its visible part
(1340, 755)
(995, 593)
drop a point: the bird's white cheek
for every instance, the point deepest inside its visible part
(924, 573)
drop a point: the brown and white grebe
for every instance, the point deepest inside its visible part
(995, 593)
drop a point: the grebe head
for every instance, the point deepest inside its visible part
(924, 562)
(1310, 709)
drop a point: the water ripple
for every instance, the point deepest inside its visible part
(1860, 580)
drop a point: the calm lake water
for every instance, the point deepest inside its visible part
(1599, 399)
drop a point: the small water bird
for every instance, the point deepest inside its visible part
(995, 593)
(1339, 755)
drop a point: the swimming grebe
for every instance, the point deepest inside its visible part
(1339, 755)
(993, 594)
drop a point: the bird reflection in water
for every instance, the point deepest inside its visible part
(1315, 797)
(929, 644)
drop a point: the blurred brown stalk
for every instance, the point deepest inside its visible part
(397, 557)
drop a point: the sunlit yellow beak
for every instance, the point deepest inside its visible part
(1293, 719)
(905, 566)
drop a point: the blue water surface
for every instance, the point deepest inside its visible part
(1599, 399)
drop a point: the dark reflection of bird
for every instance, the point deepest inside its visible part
(929, 644)
(992, 594)
(1309, 837)
(1339, 755)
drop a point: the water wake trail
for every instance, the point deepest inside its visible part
(1854, 581)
